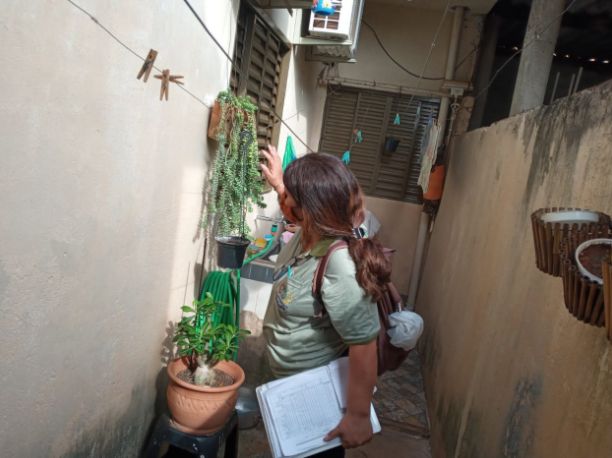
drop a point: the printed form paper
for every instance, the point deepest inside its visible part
(304, 412)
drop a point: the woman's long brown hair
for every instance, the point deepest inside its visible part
(331, 202)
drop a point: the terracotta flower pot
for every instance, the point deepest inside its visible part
(214, 121)
(202, 410)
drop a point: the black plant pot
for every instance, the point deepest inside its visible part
(231, 251)
(391, 144)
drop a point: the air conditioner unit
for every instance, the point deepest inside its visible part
(330, 54)
(343, 48)
(300, 4)
(338, 25)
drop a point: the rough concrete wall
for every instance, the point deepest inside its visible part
(100, 191)
(509, 373)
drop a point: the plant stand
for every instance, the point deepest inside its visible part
(165, 432)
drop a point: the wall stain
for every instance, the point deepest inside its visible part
(472, 437)
(448, 416)
(117, 435)
(4, 281)
(519, 425)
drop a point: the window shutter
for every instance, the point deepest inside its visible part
(381, 174)
(258, 58)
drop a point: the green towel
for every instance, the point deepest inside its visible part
(289, 156)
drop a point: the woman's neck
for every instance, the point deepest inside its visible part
(312, 241)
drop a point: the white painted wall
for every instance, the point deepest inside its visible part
(100, 193)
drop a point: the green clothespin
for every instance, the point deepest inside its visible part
(358, 136)
(397, 120)
(346, 157)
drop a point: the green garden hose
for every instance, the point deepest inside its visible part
(224, 286)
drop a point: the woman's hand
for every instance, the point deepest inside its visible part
(353, 430)
(273, 171)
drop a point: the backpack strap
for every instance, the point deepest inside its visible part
(317, 281)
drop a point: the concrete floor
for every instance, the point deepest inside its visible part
(401, 408)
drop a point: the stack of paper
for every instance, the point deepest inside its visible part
(300, 410)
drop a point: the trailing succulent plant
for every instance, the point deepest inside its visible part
(236, 182)
(204, 341)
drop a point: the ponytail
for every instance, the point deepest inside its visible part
(373, 266)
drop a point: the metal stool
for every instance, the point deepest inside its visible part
(200, 446)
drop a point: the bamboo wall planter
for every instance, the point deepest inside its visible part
(607, 292)
(584, 298)
(551, 226)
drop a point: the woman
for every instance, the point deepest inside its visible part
(320, 194)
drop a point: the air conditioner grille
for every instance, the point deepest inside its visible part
(331, 22)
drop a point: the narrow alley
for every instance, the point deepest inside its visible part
(239, 227)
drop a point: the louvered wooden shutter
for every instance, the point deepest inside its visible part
(258, 57)
(381, 174)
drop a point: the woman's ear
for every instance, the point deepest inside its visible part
(290, 215)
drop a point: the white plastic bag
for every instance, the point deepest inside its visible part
(406, 328)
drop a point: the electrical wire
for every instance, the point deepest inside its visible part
(382, 46)
(431, 47)
(229, 58)
(182, 87)
(536, 36)
(212, 37)
(114, 37)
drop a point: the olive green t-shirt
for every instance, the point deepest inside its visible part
(298, 335)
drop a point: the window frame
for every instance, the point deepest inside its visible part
(424, 108)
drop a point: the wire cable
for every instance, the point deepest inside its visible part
(229, 58)
(183, 88)
(212, 37)
(114, 37)
(431, 47)
(382, 46)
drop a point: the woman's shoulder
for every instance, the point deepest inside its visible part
(341, 262)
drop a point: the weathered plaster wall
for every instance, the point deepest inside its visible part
(509, 373)
(100, 193)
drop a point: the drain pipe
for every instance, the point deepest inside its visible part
(451, 60)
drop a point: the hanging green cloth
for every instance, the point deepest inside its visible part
(289, 156)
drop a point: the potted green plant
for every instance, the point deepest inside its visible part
(236, 182)
(203, 386)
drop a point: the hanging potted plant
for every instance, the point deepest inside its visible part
(236, 183)
(203, 386)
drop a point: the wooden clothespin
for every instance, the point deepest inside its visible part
(147, 66)
(166, 78)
